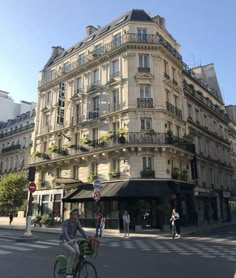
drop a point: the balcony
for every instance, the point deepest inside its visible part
(11, 148)
(147, 173)
(93, 115)
(130, 38)
(145, 103)
(197, 95)
(171, 108)
(143, 69)
(18, 130)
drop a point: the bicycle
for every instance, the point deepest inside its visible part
(84, 268)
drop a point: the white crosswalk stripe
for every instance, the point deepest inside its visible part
(15, 248)
(4, 252)
(47, 243)
(32, 245)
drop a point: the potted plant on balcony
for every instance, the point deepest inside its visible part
(92, 177)
(114, 173)
(36, 154)
(147, 173)
(71, 148)
(53, 150)
(106, 137)
(175, 173)
(151, 132)
(188, 139)
(85, 141)
(184, 175)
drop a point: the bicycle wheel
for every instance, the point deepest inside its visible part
(86, 270)
(58, 271)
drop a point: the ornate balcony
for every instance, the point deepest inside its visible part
(171, 108)
(18, 130)
(145, 103)
(130, 38)
(11, 148)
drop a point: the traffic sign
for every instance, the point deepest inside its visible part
(32, 187)
(97, 195)
(172, 196)
(96, 184)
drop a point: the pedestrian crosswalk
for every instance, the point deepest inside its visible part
(165, 246)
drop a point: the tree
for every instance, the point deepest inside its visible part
(13, 190)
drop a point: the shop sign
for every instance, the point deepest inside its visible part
(61, 104)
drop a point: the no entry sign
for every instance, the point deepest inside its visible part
(32, 187)
(96, 195)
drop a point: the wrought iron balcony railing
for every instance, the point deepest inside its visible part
(11, 148)
(18, 130)
(145, 103)
(171, 108)
(93, 115)
(109, 47)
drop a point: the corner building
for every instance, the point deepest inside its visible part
(112, 107)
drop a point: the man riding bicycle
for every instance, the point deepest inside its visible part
(68, 241)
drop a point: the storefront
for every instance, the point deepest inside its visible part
(148, 202)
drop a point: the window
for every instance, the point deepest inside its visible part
(95, 133)
(117, 40)
(66, 67)
(143, 60)
(115, 67)
(78, 111)
(168, 96)
(94, 168)
(144, 91)
(58, 172)
(174, 74)
(81, 59)
(115, 165)
(178, 131)
(79, 83)
(146, 123)
(190, 112)
(197, 115)
(147, 163)
(205, 121)
(142, 34)
(115, 100)
(96, 76)
(97, 50)
(96, 103)
(49, 98)
(89, 78)
(45, 146)
(75, 172)
(47, 120)
(176, 101)
(166, 68)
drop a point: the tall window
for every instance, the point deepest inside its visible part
(96, 76)
(81, 59)
(166, 68)
(144, 91)
(66, 67)
(115, 67)
(49, 98)
(79, 83)
(174, 73)
(75, 172)
(117, 40)
(143, 60)
(96, 103)
(115, 100)
(142, 34)
(146, 123)
(205, 121)
(190, 111)
(78, 111)
(94, 168)
(58, 172)
(47, 120)
(115, 165)
(168, 96)
(176, 101)
(147, 163)
(197, 115)
(95, 133)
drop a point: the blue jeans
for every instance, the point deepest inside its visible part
(98, 229)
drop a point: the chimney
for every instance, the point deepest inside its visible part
(90, 30)
(56, 50)
(160, 21)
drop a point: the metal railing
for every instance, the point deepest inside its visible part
(15, 131)
(11, 148)
(145, 103)
(171, 108)
(103, 50)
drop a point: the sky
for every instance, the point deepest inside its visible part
(205, 29)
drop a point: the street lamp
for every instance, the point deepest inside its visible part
(59, 135)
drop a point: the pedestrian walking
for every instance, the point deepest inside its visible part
(103, 222)
(11, 215)
(175, 220)
(126, 222)
(99, 216)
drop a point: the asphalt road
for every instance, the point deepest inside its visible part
(211, 255)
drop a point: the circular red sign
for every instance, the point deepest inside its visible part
(32, 187)
(173, 196)
(96, 195)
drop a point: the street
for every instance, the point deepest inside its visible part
(208, 255)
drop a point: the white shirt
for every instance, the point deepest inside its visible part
(126, 218)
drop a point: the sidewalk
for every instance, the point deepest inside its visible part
(19, 224)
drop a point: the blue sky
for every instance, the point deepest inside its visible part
(28, 29)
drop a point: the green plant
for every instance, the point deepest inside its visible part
(91, 177)
(46, 220)
(36, 154)
(107, 137)
(188, 139)
(38, 219)
(122, 130)
(175, 173)
(53, 149)
(150, 132)
(184, 175)
(85, 141)
(114, 173)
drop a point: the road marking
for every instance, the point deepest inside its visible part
(32, 245)
(54, 240)
(4, 252)
(4, 239)
(15, 248)
(47, 243)
(114, 244)
(128, 244)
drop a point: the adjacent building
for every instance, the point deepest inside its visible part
(121, 106)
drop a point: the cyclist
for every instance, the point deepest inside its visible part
(67, 238)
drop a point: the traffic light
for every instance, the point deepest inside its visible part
(31, 174)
